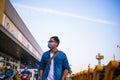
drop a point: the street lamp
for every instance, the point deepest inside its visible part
(99, 57)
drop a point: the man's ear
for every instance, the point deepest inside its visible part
(56, 44)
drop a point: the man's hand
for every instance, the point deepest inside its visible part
(63, 78)
(65, 74)
(39, 78)
(40, 75)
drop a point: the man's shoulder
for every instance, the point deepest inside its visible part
(62, 53)
(28, 72)
(46, 53)
(9, 70)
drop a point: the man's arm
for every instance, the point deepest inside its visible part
(40, 75)
(13, 74)
(66, 68)
(65, 73)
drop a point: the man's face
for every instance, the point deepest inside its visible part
(8, 67)
(53, 42)
(25, 69)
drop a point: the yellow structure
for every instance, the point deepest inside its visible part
(117, 78)
(73, 76)
(90, 74)
(81, 75)
(97, 71)
(109, 70)
(78, 76)
(85, 74)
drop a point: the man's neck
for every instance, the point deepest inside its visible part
(53, 50)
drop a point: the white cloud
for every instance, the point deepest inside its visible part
(52, 11)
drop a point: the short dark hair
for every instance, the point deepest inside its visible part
(8, 64)
(56, 39)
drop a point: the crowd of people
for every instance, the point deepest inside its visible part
(8, 73)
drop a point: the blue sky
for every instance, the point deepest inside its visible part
(85, 27)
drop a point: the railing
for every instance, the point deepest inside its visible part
(109, 72)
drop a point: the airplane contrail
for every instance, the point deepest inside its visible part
(56, 12)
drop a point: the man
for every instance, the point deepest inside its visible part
(58, 67)
(25, 75)
(9, 72)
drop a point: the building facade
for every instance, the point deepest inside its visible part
(17, 45)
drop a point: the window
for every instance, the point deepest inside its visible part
(28, 46)
(13, 32)
(7, 26)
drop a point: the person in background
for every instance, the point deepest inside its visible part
(18, 76)
(9, 72)
(25, 74)
(3, 68)
(35, 74)
(15, 71)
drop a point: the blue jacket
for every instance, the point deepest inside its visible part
(8, 73)
(60, 64)
(26, 72)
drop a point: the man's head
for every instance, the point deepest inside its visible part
(25, 68)
(53, 42)
(8, 65)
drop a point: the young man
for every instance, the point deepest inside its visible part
(58, 67)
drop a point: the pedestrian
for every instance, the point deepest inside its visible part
(3, 68)
(15, 72)
(35, 74)
(9, 72)
(54, 64)
(25, 74)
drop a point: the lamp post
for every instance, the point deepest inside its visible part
(118, 46)
(99, 57)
